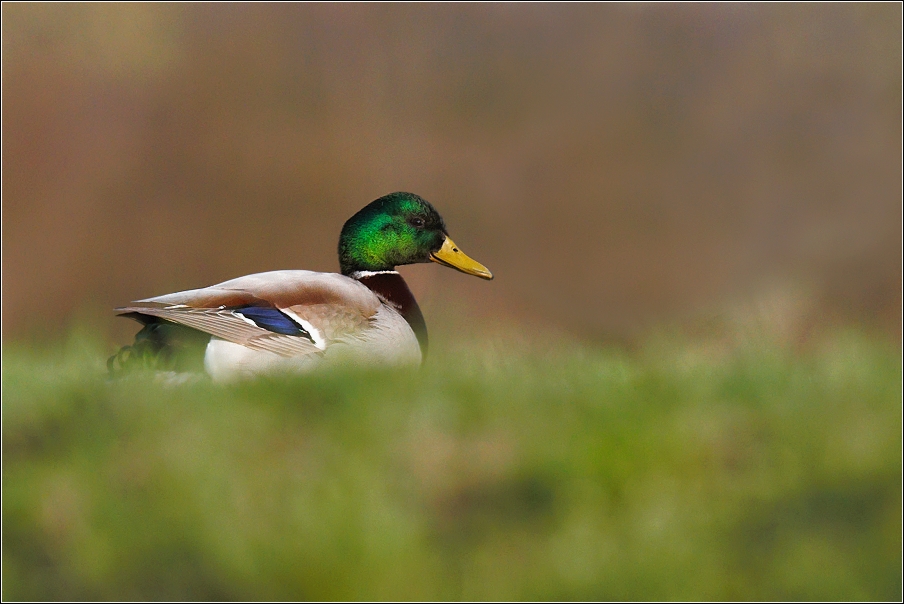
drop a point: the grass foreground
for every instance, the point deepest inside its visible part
(499, 471)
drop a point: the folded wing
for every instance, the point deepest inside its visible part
(290, 313)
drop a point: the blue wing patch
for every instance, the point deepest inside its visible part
(273, 320)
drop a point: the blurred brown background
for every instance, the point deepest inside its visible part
(614, 165)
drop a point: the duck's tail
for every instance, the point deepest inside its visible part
(161, 346)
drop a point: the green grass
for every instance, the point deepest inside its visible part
(503, 470)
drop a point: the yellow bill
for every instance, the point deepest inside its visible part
(450, 255)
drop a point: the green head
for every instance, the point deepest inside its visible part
(399, 228)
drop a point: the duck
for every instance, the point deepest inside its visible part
(300, 320)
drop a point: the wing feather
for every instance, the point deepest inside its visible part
(335, 305)
(224, 324)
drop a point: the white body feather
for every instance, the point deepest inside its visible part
(389, 341)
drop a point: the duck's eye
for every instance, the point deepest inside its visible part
(417, 222)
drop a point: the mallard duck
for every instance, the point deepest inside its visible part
(298, 320)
